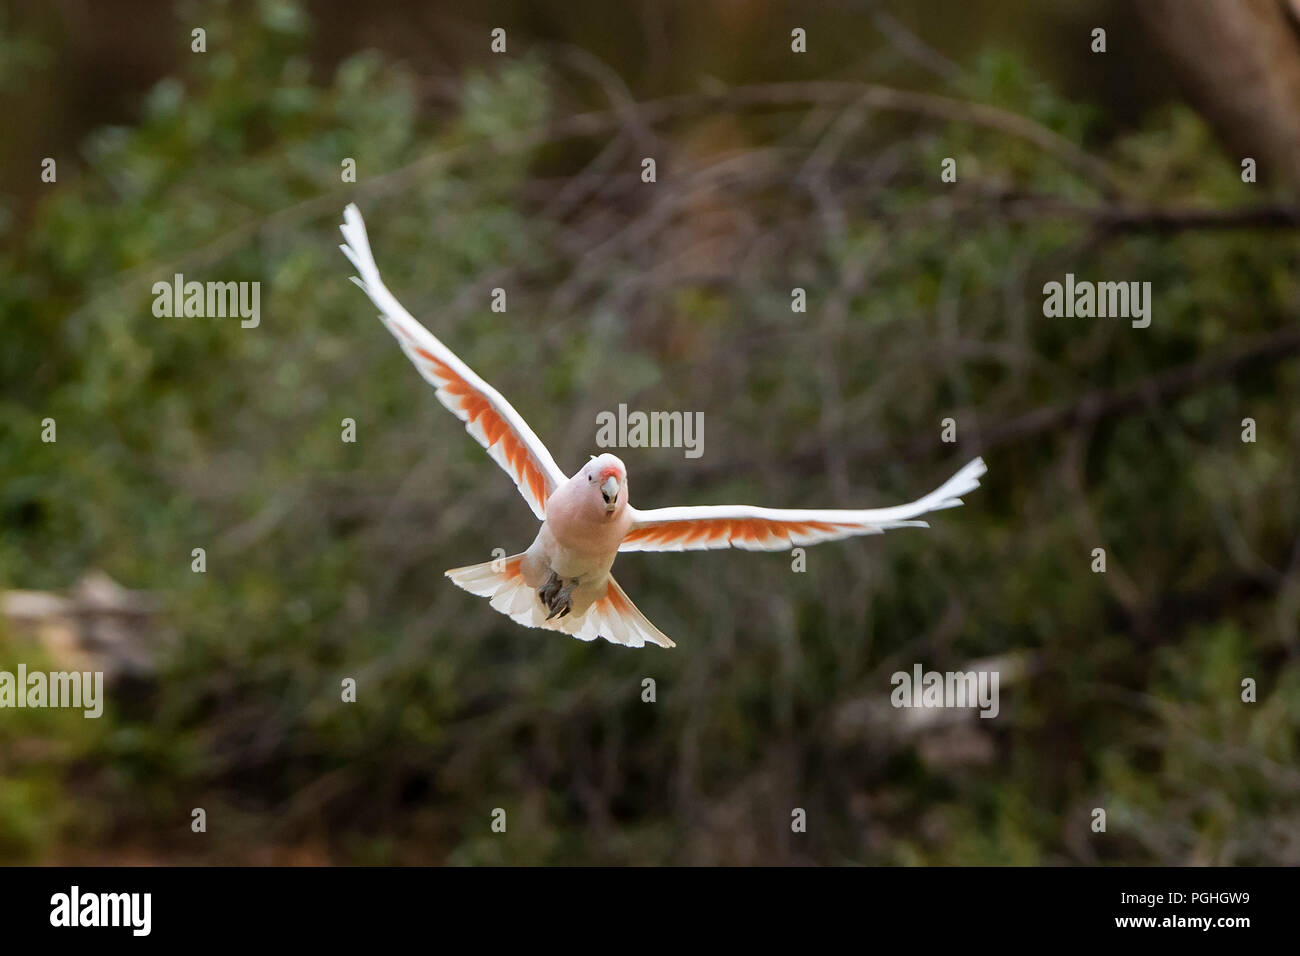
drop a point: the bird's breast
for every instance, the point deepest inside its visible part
(587, 531)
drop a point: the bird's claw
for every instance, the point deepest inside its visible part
(562, 603)
(556, 595)
(546, 593)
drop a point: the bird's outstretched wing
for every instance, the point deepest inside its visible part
(777, 529)
(487, 416)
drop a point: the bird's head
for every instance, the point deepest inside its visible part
(607, 478)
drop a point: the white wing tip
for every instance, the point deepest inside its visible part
(962, 483)
(356, 245)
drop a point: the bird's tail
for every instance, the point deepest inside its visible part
(613, 616)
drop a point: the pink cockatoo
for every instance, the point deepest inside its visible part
(562, 582)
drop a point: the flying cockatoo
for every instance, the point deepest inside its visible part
(562, 582)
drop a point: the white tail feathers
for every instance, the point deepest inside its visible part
(613, 617)
(487, 578)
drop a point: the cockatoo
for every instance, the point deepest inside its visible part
(563, 581)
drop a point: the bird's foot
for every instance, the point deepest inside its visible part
(546, 593)
(557, 595)
(563, 602)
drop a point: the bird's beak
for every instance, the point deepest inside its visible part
(609, 489)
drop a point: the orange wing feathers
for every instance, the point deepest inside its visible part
(487, 415)
(776, 529)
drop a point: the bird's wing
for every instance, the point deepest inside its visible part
(487, 416)
(777, 529)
